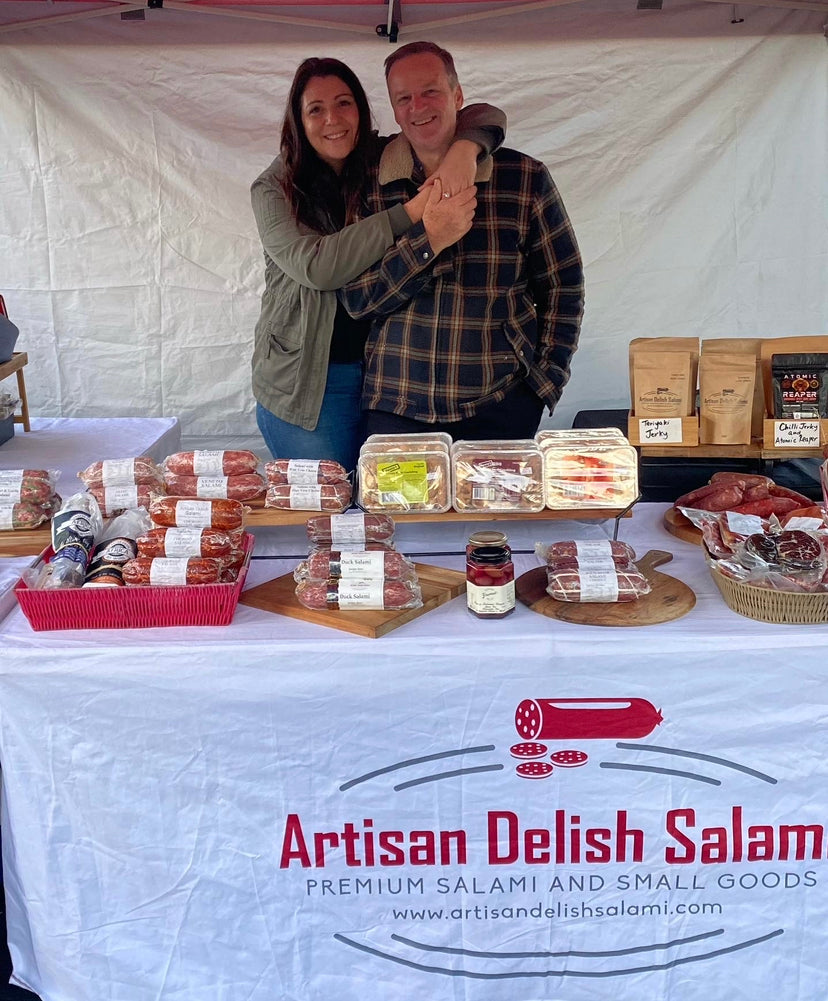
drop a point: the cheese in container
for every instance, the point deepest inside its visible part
(398, 474)
(498, 476)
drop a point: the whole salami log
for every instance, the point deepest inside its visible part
(185, 512)
(17, 517)
(114, 500)
(359, 595)
(186, 542)
(121, 472)
(582, 584)
(331, 564)
(304, 471)
(333, 497)
(244, 487)
(170, 572)
(801, 499)
(724, 498)
(569, 553)
(202, 462)
(25, 486)
(355, 528)
(765, 508)
(586, 719)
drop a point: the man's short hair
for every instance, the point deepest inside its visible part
(415, 49)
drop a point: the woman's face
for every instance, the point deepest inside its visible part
(330, 118)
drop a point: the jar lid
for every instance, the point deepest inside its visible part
(490, 554)
(486, 538)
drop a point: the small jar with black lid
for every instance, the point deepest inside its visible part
(490, 581)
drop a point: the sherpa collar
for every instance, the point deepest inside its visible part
(397, 162)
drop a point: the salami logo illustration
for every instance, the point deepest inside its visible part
(585, 719)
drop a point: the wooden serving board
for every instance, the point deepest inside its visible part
(25, 542)
(669, 598)
(684, 529)
(437, 584)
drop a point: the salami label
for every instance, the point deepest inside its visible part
(182, 542)
(117, 472)
(591, 549)
(121, 497)
(361, 594)
(362, 565)
(164, 570)
(306, 496)
(303, 471)
(347, 530)
(11, 483)
(598, 582)
(211, 486)
(193, 514)
(208, 462)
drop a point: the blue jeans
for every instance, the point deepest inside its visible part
(339, 432)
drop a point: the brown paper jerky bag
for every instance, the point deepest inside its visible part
(663, 374)
(726, 383)
(751, 346)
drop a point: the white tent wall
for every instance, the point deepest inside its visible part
(690, 152)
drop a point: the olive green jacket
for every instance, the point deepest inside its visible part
(303, 270)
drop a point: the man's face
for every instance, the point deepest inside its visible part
(425, 103)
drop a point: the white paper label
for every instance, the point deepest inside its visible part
(208, 462)
(590, 549)
(168, 571)
(489, 600)
(795, 434)
(117, 472)
(744, 524)
(306, 496)
(6, 517)
(211, 486)
(303, 471)
(193, 514)
(660, 431)
(804, 524)
(361, 594)
(598, 563)
(347, 530)
(598, 585)
(11, 482)
(121, 498)
(182, 542)
(361, 564)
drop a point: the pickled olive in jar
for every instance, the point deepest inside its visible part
(490, 582)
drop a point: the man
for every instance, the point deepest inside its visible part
(473, 336)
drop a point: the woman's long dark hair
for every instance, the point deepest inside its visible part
(318, 197)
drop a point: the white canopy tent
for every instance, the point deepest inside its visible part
(689, 144)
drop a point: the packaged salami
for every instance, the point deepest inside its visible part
(212, 462)
(497, 476)
(350, 530)
(122, 472)
(359, 595)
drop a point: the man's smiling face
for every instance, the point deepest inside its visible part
(425, 103)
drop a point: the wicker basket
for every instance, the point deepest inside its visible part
(762, 603)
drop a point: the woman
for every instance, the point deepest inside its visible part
(307, 358)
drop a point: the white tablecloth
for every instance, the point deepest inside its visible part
(70, 444)
(276, 810)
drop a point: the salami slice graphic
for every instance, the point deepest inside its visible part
(528, 749)
(585, 719)
(534, 769)
(569, 758)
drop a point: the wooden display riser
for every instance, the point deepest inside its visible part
(34, 541)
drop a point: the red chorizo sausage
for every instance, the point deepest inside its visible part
(304, 471)
(201, 462)
(726, 499)
(173, 571)
(765, 508)
(185, 512)
(309, 497)
(244, 487)
(186, 542)
(749, 479)
(801, 499)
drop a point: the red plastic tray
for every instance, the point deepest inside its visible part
(133, 607)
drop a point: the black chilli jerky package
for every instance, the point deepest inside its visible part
(800, 385)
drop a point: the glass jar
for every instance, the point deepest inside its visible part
(490, 582)
(487, 538)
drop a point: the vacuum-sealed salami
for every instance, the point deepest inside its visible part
(304, 471)
(377, 564)
(209, 542)
(121, 472)
(241, 487)
(219, 462)
(596, 582)
(114, 500)
(350, 530)
(26, 486)
(187, 512)
(334, 497)
(172, 571)
(359, 595)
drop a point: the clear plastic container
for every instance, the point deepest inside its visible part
(589, 476)
(404, 473)
(497, 476)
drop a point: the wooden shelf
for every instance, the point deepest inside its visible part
(18, 360)
(756, 450)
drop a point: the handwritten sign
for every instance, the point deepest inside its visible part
(660, 430)
(796, 434)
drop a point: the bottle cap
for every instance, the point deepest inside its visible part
(487, 538)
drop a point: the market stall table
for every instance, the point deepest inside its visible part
(278, 810)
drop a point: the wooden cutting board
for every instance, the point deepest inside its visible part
(684, 529)
(437, 584)
(668, 599)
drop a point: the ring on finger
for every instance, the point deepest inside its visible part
(446, 194)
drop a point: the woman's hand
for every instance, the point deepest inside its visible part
(416, 205)
(447, 220)
(458, 167)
